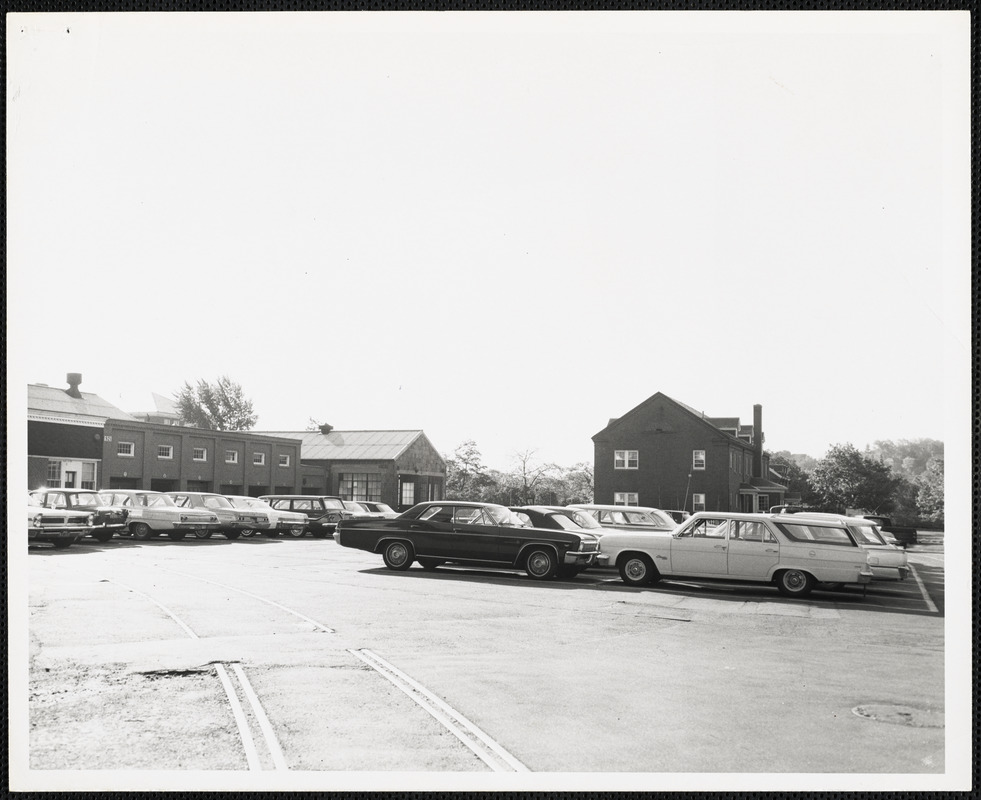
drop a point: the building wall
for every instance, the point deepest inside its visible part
(665, 437)
(146, 469)
(64, 441)
(422, 468)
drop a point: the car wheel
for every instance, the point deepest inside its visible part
(795, 582)
(247, 532)
(176, 536)
(638, 570)
(62, 544)
(141, 531)
(397, 556)
(102, 536)
(232, 534)
(296, 531)
(540, 564)
(429, 563)
(201, 533)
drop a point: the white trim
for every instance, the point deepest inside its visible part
(91, 422)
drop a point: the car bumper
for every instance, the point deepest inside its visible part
(865, 576)
(890, 573)
(191, 525)
(60, 535)
(579, 559)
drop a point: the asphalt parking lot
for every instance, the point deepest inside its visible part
(341, 667)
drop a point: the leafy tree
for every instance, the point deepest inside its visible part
(218, 406)
(845, 478)
(466, 474)
(528, 477)
(805, 462)
(907, 457)
(930, 500)
(797, 480)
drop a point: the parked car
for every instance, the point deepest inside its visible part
(231, 521)
(322, 512)
(473, 534)
(582, 518)
(154, 513)
(888, 561)
(107, 519)
(630, 518)
(58, 527)
(902, 535)
(384, 509)
(795, 554)
(357, 508)
(288, 522)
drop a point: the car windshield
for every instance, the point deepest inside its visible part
(384, 508)
(564, 521)
(35, 500)
(351, 505)
(639, 518)
(90, 500)
(332, 502)
(867, 534)
(662, 518)
(583, 520)
(217, 501)
(111, 499)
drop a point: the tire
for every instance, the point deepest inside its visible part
(201, 533)
(319, 534)
(232, 534)
(62, 544)
(429, 564)
(296, 531)
(102, 536)
(176, 536)
(794, 582)
(247, 532)
(397, 556)
(141, 531)
(540, 564)
(638, 570)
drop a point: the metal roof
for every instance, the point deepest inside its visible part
(351, 445)
(52, 404)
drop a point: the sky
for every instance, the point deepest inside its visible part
(505, 228)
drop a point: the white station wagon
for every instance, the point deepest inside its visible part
(774, 548)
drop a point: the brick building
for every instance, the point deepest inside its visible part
(666, 454)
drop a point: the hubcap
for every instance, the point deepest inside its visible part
(539, 563)
(794, 580)
(397, 554)
(636, 569)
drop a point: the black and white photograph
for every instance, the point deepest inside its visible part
(489, 401)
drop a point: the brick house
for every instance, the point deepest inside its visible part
(400, 468)
(665, 454)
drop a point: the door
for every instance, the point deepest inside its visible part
(753, 549)
(70, 478)
(701, 548)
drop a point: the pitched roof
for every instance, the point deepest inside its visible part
(351, 445)
(712, 422)
(51, 404)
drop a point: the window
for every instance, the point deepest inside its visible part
(200, 454)
(817, 533)
(697, 502)
(625, 498)
(708, 529)
(284, 461)
(362, 486)
(408, 494)
(88, 475)
(231, 456)
(258, 459)
(165, 451)
(54, 473)
(763, 503)
(751, 531)
(125, 449)
(625, 459)
(698, 459)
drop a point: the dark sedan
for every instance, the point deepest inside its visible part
(107, 517)
(472, 534)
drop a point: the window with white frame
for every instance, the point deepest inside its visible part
(284, 461)
(88, 475)
(54, 474)
(231, 456)
(698, 459)
(258, 459)
(697, 502)
(408, 493)
(625, 459)
(625, 498)
(763, 503)
(125, 449)
(199, 454)
(165, 451)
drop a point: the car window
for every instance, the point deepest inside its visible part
(182, 501)
(332, 502)
(612, 518)
(750, 531)
(563, 521)
(303, 505)
(706, 528)
(582, 519)
(822, 534)
(468, 516)
(437, 514)
(638, 518)
(215, 501)
(867, 534)
(156, 500)
(523, 518)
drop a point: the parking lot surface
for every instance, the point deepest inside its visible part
(280, 657)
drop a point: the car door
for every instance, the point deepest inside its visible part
(431, 533)
(478, 537)
(753, 549)
(701, 548)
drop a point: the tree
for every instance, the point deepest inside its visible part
(907, 457)
(797, 480)
(930, 500)
(528, 477)
(845, 479)
(465, 472)
(218, 406)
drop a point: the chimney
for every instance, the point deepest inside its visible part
(325, 428)
(74, 379)
(757, 441)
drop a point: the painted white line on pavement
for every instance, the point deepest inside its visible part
(486, 749)
(926, 597)
(317, 625)
(267, 730)
(251, 754)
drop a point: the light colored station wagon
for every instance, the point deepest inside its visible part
(774, 548)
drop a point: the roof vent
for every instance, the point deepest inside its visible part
(74, 379)
(325, 428)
